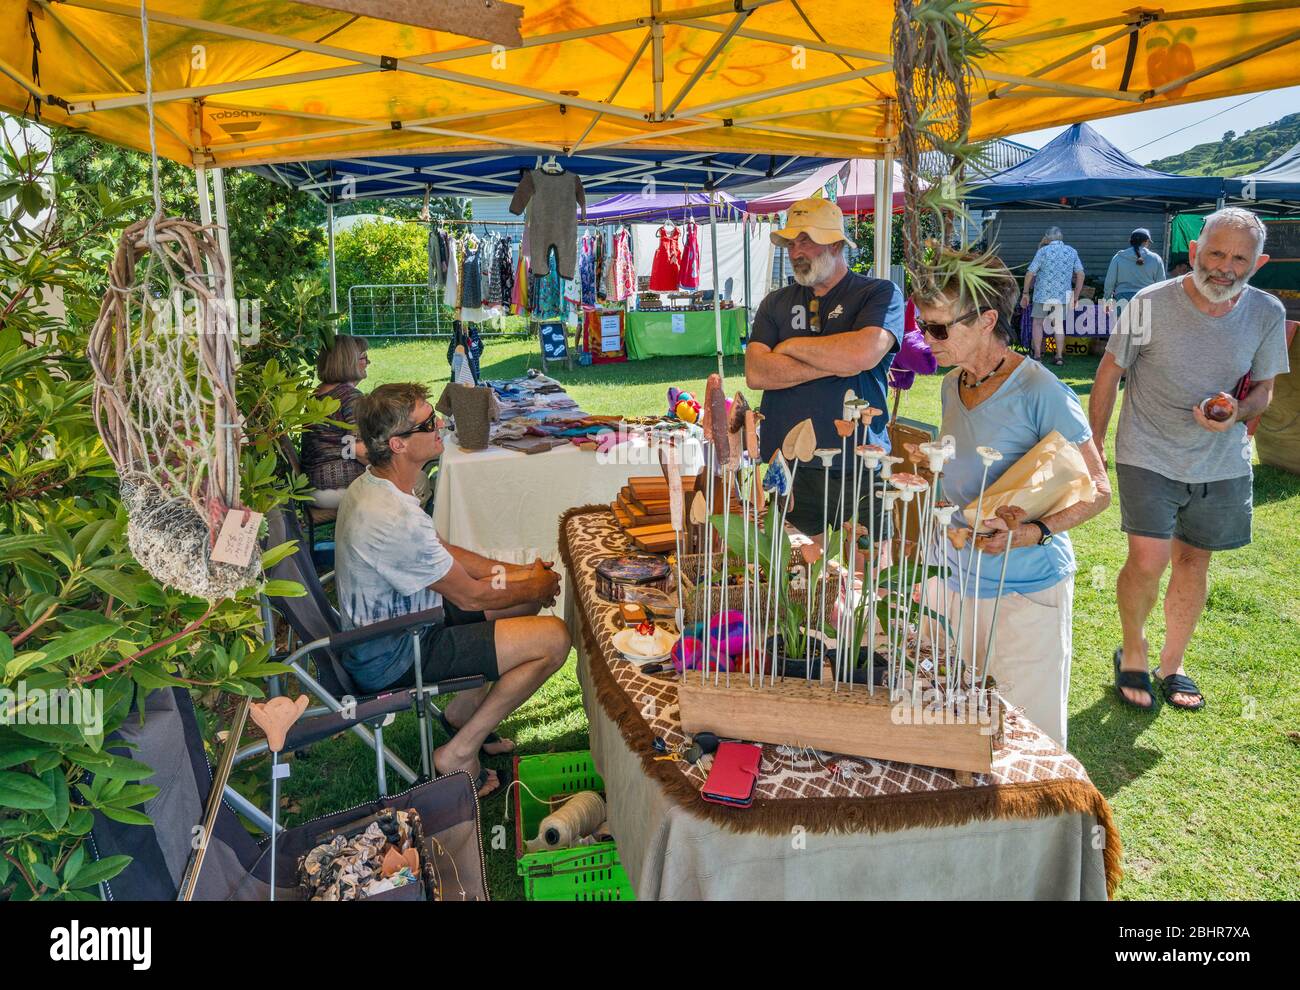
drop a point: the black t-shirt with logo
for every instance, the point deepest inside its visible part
(854, 303)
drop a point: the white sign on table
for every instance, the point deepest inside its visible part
(679, 323)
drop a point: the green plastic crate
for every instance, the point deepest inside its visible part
(587, 873)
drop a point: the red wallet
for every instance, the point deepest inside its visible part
(734, 774)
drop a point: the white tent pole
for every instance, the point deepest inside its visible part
(717, 297)
(884, 213)
(334, 282)
(223, 232)
(745, 234)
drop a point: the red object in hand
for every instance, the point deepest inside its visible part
(1218, 408)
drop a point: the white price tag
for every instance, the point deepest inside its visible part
(679, 322)
(238, 537)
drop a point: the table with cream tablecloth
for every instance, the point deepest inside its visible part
(505, 504)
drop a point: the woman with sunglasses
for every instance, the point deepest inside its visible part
(997, 398)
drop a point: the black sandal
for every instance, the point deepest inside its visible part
(1138, 680)
(1180, 684)
(451, 730)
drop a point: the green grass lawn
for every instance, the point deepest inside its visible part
(1207, 803)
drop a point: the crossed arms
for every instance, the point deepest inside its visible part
(804, 359)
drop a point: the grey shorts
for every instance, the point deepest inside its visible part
(1213, 515)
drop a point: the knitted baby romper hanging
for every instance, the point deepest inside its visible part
(163, 355)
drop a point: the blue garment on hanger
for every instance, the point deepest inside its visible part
(587, 273)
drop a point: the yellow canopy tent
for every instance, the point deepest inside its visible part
(240, 83)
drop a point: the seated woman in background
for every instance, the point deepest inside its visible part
(332, 458)
(995, 397)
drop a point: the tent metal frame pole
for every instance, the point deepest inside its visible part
(713, 10)
(758, 97)
(334, 281)
(998, 91)
(1070, 89)
(627, 71)
(341, 71)
(1226, 63)
(748, 122)
(351, 55)
(30, 85)
(113, 74)
(657, 59)
(744, 228)
(809, 43)
(717, 295)
(420, 124)
(723, 39)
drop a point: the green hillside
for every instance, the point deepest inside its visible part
(1236, 154)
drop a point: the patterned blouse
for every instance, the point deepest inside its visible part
(322, 445)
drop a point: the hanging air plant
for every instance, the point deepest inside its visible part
(937, 48)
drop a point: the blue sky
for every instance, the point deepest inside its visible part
(1194, 123)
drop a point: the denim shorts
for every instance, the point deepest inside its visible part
(1213, 515)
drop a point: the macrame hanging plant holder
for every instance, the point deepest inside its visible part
(164, 359)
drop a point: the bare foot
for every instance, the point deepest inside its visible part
(445, 762)
(457, 716)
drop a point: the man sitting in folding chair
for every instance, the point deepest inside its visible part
(390, 562)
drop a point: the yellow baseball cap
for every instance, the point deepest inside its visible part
(819, 218)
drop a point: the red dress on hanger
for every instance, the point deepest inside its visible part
(666, 269)
(690, 270)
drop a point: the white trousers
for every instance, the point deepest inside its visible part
(1031, 649)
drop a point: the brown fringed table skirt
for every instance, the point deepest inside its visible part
(1035, 827)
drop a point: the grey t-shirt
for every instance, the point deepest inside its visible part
(386, 554)
(1175, 356)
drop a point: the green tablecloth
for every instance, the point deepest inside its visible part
(652, 334)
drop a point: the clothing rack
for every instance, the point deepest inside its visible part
(469, 223)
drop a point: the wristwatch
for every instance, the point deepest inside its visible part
(1046, 538)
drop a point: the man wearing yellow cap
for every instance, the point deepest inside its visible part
(832, 331)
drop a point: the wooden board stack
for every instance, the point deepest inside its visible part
(641, 509)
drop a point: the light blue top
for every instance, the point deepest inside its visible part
(1125, 277)
(1031, 403)
(1053, 269)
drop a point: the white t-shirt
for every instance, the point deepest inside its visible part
(386, 555)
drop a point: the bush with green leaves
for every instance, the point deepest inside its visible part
(77, 613)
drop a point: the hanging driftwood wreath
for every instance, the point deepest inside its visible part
(164, 359)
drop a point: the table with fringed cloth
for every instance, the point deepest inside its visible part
(1034, 828)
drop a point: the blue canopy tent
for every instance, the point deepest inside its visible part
(334, 181)
(1274, 189)
(1080, 170)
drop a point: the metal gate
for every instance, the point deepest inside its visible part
(413, 310)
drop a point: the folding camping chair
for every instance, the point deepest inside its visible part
(316, 625)
(236, 867)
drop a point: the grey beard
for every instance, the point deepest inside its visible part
(1218, 293)
(819, 270)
